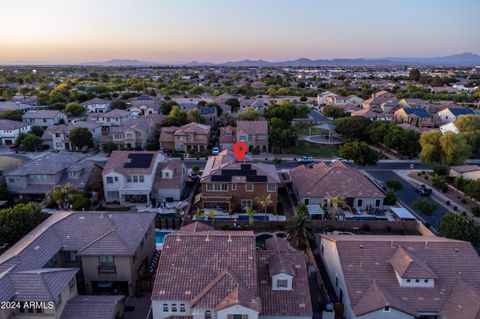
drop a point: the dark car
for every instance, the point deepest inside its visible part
(423, 190)
(14, 146)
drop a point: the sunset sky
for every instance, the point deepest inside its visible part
(72, 31)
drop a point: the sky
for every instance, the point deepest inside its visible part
(74, 31)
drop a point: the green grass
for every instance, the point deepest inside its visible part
(311, 149)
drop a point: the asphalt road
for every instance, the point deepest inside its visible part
(408, 196)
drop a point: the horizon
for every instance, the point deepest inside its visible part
(213, 31)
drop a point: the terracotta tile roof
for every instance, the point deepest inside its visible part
(117, 160)
(12, 125)
(177, 167)
(166, 134)
(91, 307)
(408, 266)
(224, 138)
(193, 127)
(252, 127)
(332, 179)
(367, 270)
(197, 226)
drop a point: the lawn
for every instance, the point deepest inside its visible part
(311, 149)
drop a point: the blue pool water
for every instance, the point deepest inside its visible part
(160, 236)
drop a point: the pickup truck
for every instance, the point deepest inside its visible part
(423, 190)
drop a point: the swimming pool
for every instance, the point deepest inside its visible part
(365, 218)
(160, 237)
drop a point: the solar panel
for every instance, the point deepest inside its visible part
(245, 167)
(139, 160)
(221, 178)
(238, 172)
(258, 179)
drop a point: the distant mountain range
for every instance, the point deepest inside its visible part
(464, 59)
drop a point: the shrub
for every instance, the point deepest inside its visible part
(195, 168)
(426, 177)
(455, 208)
(476, 211)
(424, 206)
(439, 183)
(394, 184)
(419, 174)
(390, 198)
(81, 203)
(442, 170)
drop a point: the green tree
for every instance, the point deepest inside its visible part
(81, 203)
(176, 117)
(359, 152)
(394, 184)
(460, 227)
(249, 114)
(109, 148)
(166, 107)
(18, 221)
(469, 126)
(333, 111)
(118, 104)
(195, 116)
(414, 74)
(250, 213)
(472, 189)
(30, 142)
(301, 230)
(81, 137)
(74, 109)
(431, 148)
(62, 195)
(264, 201)
(455, 148)
(353, 127)
(14, 115)
(234, 104)
(37, 131)
(424, 206)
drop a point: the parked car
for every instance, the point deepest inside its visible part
(338, 159)
(215, 150)
(305, 159)
(14, 146)
(423, 190)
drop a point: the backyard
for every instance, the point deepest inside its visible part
(311, 149)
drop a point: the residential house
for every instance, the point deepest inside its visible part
(374, 103)
(114, 118)
(403, 277)
(256, 104)
(170, 179)
(192, 137)
(135, 133)
(323, 96)
(38, 176)
(10, 130)
(449, 115)
(228, 137)
(97, 105)
(415, 116)
(166, 138)
(16, 106)
(338, 100)
(373, 116)
(449, 127)
(58, 136)
(410, 102)
(128, 176)
(44, 118)
(72, 253)
(317, 184)
(209, 113)
(144, 105)
(230, 185)
(254, 134)
(242, 282)
(470, 172)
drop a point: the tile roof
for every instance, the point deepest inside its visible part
(12, 125)
(371, 280)
(176, 181)
(223, 269)
(193, 127)
(252, 127)
(91, 307)
(332, 179)
(41, 114)
(118, 159)
(50, 163)
(166, 134)
(96, 101)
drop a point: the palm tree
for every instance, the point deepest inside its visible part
(333, 201)
(250, 213)
(300, 229)
(264, 202)
(211, 214)
(62, 195)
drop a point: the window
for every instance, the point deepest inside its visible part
(249, 187)
(71, 256)
(272, 188)
(359, 202)
(237, 316)
(174, 307)
(141, 178)
(109, 180)
(135, 178)
(425, 280)
(182, 307)
(387, 309)
(209, 187)
(408, 280)
(417, 280)
(116, 178)
(377, 203)
(106, 260)
(246, 203)
(129, 179)
(282, 283)
(234, 187)
(208, 314)
(165, 307)
(71, 284)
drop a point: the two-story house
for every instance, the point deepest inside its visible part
(38, 176)
(451, 114)
(228, 137)
(72, 254)
(254, 134)
(97, 105)
(166, 138)
(317, 184)
(44, 118)
(10, 130)
(134, 133)
(170, 180)
(58, 136)
(192, 137)
(230, 185)
(144, 105)
(114, 118)
(224, 276)
(402, 277)
(128, 176)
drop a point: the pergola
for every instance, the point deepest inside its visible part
(326, 127)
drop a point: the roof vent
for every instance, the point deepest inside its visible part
(229, 238)
(208, 238)
(457, 250)
(361, 246)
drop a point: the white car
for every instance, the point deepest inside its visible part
(305, 159)
(215, 150)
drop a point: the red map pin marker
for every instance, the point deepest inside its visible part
(240, 148)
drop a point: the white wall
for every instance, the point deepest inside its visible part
(237, 310)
